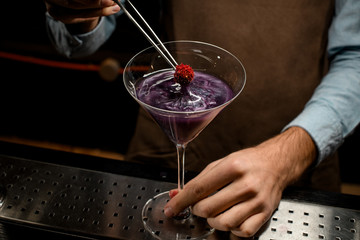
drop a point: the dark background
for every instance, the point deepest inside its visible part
(78, 107)
(63, 105)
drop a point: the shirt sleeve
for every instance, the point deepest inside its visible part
(79, 45)
(333, 111)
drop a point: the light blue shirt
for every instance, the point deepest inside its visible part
(80, 45)
(333, 111)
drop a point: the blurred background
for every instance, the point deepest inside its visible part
(79, 105)
(46, 97)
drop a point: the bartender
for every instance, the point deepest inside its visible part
(301, 99)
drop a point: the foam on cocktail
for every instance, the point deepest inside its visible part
(204, 92)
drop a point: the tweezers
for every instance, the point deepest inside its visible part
(159, 46)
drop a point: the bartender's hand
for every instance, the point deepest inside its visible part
(248, 184)
(81, 15)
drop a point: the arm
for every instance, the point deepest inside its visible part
(78, 45)
(248, 184)
(333, 111)
(79, 29)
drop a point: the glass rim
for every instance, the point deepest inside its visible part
(184, 112)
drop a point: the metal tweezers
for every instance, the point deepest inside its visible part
(159, 46)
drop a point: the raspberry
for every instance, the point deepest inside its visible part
(184, 74)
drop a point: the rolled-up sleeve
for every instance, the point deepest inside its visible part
(333, 111)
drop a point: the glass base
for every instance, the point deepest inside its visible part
(162, 227)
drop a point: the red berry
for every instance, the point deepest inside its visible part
(184, 74)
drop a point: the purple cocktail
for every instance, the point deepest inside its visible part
(203, 92)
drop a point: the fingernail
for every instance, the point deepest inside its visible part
(116, 8)
(168, 212)
(173, 193)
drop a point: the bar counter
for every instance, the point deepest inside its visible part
(47, 194)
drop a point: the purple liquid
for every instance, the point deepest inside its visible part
(204, 92)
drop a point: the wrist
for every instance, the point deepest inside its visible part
(290, 153)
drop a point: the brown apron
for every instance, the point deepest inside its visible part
(282, 45)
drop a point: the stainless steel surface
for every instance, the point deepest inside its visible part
(74, 200)
(102, 205)
(298, 220)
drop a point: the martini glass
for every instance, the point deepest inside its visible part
(182, 126)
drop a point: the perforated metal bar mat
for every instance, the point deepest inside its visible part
(102, 205)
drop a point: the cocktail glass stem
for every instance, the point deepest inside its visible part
(180, 149)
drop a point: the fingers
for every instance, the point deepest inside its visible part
(172, 193)
(234, 193)
(70, 16)
(81, 4)
(244, 219)
(77, 11)
(203, 185)
(234, 218)
(251, 226)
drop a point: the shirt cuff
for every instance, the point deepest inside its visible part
(79, 45)
(326, 132)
